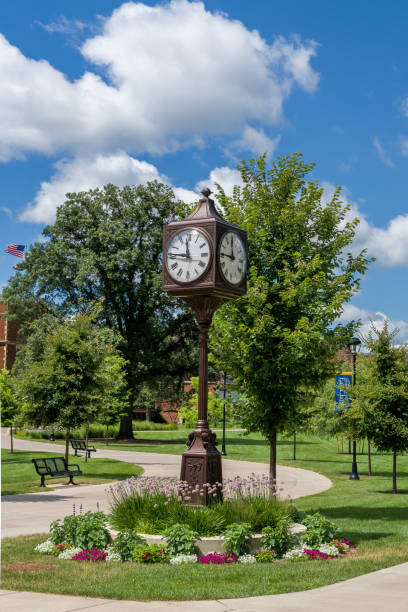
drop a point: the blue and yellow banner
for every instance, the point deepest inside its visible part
(341, 397)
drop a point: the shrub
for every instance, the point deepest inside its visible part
(319, 530)
(265, 556)
(87, 531)
(295, 554)
(90, 555)
(150, 505)
(247, 559)
(150, 554)
(69, 553)
(278, 538)
(237, 538)
(125, 543)
(180, 540)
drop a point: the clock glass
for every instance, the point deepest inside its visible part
(188, 255)
(232, 258)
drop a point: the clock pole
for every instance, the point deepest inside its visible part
(218, 276)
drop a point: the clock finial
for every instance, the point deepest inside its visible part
(206, 192)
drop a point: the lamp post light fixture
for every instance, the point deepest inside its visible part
(354, 346)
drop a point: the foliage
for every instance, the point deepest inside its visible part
(10, 407)
(188, 411)
(379, 406)
(180, 540)
(153, 553)
(278, 538)
(125, 543)
(265, 556)
(320, 530)
(106, 246)
(237, 539)
(150, 505)
(75, 374)
(85, 531)
(46, 547)
(280, 338)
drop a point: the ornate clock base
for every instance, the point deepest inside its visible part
(201, 464)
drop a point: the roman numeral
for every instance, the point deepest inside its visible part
(239, 269)
(180, 239)
(223, 264)
(201, 264)
(241, 261)
(180, 272)
(189, 237)
(174, 266)
(204, 254)
(188, 275)
(196, 271)
(198, 235)
(201, 245)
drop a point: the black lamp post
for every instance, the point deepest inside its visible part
(223, 451)
(354, 346)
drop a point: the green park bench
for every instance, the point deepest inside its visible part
(80, 446)
(55, 467)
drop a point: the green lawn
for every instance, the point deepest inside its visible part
(18, 474)
(145, 582)
(366, 511)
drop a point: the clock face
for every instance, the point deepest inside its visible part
(232, 258)
(188, 256)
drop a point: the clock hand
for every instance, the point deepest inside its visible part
(232, 249)
(174, 255)
(187, 249)
(226, 255)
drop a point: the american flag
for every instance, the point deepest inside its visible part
(15, 249)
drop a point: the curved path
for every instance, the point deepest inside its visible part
(32, 512)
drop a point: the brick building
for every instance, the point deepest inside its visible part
(8, 339)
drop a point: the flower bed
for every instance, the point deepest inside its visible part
(85, 538)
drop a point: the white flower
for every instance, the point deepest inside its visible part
(46, 547)
(295, 553)
(112, 554)
(247, 559)
(181, 559)
(330, 550)
(68, 553)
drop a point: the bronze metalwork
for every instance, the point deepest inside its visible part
(201, 462)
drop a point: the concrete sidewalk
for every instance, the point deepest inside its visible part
(379, 591)
(33, 512)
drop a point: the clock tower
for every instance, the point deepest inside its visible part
(205, 264)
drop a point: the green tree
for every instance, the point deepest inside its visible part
(9, 402)
(379, 407)
(77, 372)
(280, 338)
(105, 246)
(188, 411)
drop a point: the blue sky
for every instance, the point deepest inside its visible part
(105, 91)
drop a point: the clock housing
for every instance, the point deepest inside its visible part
(206, 219)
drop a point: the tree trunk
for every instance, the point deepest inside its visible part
(294, 446)
(106, 435)
(86, 442)
(349, 447)
(369, 456)
(272, 460)
(126, 429)
(67, 445)
(394, 473)
(11, 439)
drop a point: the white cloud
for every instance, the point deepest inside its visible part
(388, 245)
(176, 74)
(256, 141)
(224, 176)
(64, 26)
(382, 154)
(353, 313)
(83, 173)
